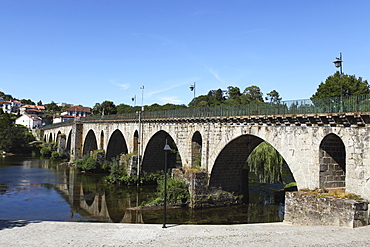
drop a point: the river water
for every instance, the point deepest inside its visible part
(41, 189)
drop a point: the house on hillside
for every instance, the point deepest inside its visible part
(77, 111)
(71, 113)
(29, 120)
(62, 118)
(6, 106)
(31, 109)
(10, 106)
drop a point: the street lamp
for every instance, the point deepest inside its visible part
(338, 64)
(142, 98)
(192, 88)
(140, 138)
(166, 149)
(133, 99)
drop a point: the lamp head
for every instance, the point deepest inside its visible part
(338, 63)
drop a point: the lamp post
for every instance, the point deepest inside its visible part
(192, 88)
(140, 138)
(338, 64)
(142, 98)
(166, 149)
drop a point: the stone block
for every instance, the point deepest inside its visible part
(307, 209)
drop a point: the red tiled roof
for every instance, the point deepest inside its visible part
(34, 117)
(40, 107)
(79, 109)
(64, 116)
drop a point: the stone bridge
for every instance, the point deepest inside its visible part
(322, 150)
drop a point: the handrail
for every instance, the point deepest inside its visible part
(359, 103)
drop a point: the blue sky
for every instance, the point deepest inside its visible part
(89, 51)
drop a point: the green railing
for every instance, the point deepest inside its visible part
(306, 106)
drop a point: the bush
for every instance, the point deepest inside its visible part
(177, 190)
(45, 151)
(87, 163)
(54, 155)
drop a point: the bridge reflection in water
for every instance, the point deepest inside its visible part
(93, 201)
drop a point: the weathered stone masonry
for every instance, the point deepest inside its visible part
(320, 150)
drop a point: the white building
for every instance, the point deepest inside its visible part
(62, 118)
(10, 106)
(77, 111)
(71, 113)
(30, 121)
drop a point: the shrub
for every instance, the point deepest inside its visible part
(90, 164)
(54, 155)
(45, 151)
(87, 163)
(177, 190)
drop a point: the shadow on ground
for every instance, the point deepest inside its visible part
(5, 224)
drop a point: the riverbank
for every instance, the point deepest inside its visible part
(50, 233)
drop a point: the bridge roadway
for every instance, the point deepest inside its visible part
(322, 150)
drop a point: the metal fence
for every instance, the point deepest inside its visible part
(306, 106)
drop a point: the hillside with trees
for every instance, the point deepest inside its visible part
(13, 138)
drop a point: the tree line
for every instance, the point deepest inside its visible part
(334, 86)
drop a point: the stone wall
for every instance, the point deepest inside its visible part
(303, 208)
(224, 142)
(201, 195)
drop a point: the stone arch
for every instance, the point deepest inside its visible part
(90, 143)
(136, 142)
(101, 140)
(51, 137)
(116, 145)
(196, 149)
(154, 155)
(58, 136)
(332, 158)
(228, 172)
(69, 141)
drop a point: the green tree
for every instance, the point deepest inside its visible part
(27, 102)
(252, 94)
(233, 92)
(273, 97)
(267, 163)
(13, 138)
(105, 108)
(123, 108)
(52, 107)
(200, 101)
(6, 97)
(351, 86)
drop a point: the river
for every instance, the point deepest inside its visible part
(33, 188)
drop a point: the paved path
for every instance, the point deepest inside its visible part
(48, 233)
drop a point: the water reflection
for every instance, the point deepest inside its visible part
(64, 194)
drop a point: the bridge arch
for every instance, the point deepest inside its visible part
(154, 155)
(136, 142)
(196, 149)
(116, 145)
(90, 143)
(51, 137)
(69, 141)
(57, 137)
(332, 159)
(227, 172)
(101, 140)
